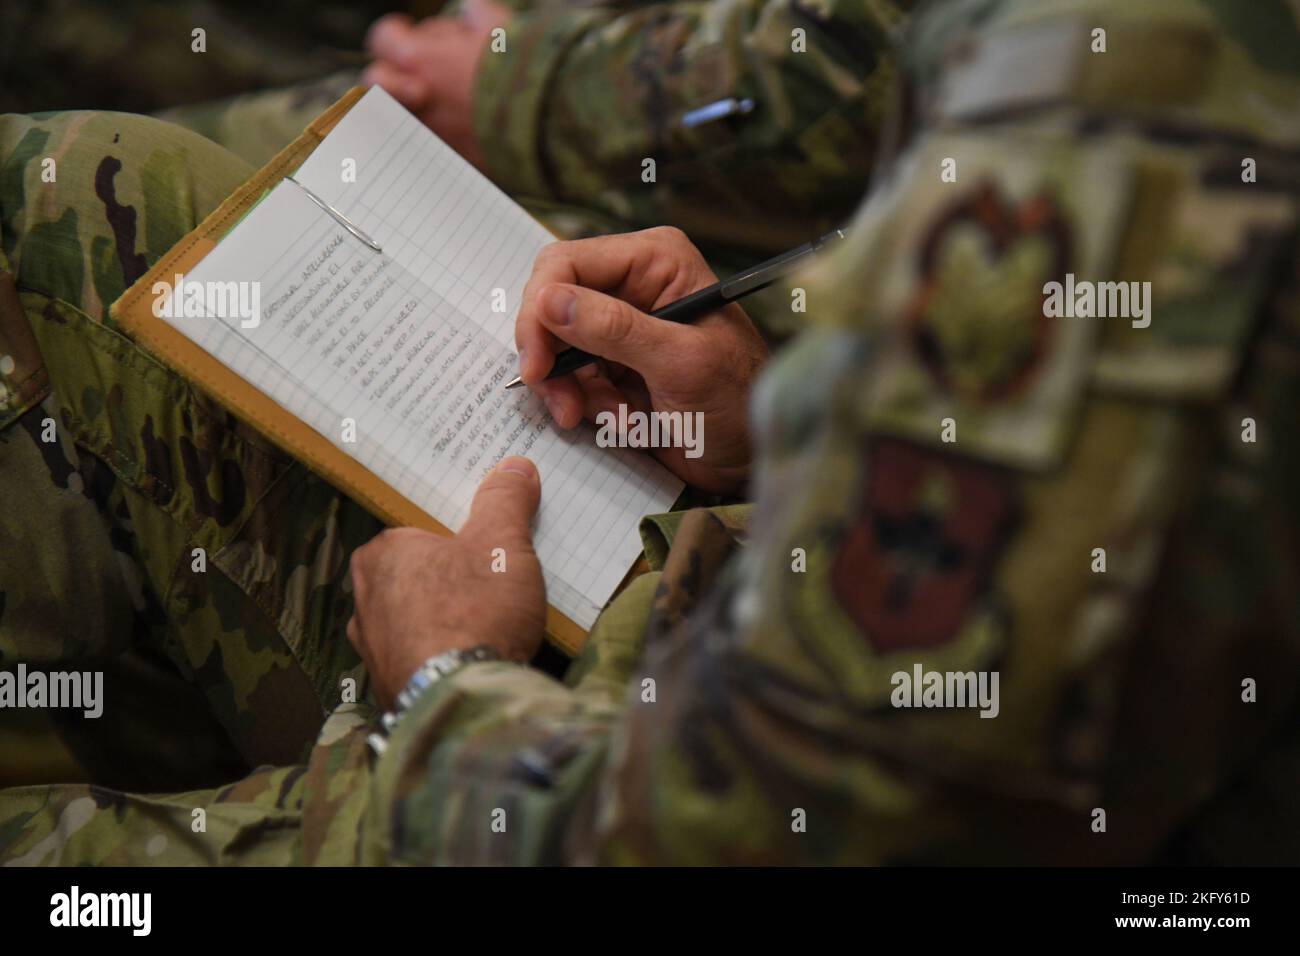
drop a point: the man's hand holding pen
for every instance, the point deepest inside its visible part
(595, 294)
(419, 595)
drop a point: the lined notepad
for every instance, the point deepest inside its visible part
(412, 346)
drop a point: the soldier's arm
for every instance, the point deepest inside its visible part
(579, 101)
(1084, 521)
(1089, 511)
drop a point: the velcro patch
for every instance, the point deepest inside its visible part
(921, 551)
(971, 359)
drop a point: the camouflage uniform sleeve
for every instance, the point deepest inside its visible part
(1021, 585)
(491, 764)
(1046, 577)
(579, 99)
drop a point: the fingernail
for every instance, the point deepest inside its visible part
(520, 466)
(560, 306)
(523, 361)
(555, 406)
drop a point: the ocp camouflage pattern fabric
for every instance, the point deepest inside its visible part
(950, 481)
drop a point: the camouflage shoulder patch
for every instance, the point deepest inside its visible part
(973, 360)
(1020, 246)
(920, 552)
(1017, 67)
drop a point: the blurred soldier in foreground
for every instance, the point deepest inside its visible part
(1098, 512)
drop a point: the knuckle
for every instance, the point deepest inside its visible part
(614, 321)
(662, 271)
(670, 235)
(360, 558)
(553, 252)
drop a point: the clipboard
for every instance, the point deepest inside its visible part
(134, 312)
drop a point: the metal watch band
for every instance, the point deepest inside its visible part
(426, 675)
(436, 668)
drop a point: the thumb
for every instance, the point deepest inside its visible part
(609, 327)
(505, 502)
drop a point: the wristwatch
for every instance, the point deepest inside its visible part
(426, 675)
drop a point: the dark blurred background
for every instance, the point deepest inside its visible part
(135, 55)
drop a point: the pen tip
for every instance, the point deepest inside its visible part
(514, 383)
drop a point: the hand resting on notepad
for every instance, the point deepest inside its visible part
(417, 594)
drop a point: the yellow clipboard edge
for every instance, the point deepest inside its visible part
(133, 311)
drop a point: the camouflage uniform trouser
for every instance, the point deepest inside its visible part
(144, 533)
(210, 667)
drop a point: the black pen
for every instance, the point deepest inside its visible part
(691, 307)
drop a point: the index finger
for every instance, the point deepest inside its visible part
(645, 269)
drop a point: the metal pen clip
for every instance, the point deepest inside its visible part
(716, 111)
(343, 220)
